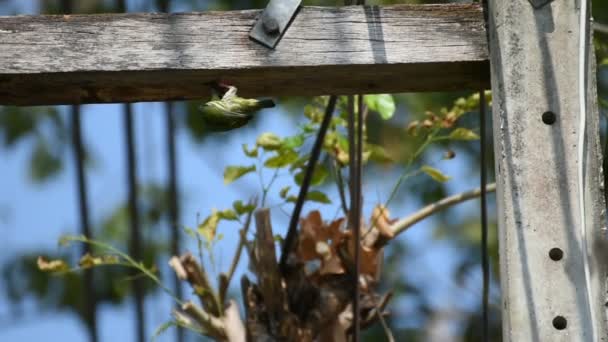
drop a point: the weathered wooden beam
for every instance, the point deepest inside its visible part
(543, 253)
(153, 57)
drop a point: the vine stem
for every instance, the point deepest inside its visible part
(290, 237)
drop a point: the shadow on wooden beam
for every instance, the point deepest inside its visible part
(157, 57)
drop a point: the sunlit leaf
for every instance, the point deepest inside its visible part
(463, 134)
(228, 214)
(190, 232)
(293, 142)
(282, 159)
(378, 154)
(208, 228)
(383, 104)
(284, 191)
(242, 208)
(318, 196)
(315, 196)
(300, 162)
(434, 173)
(232, 173)
(87, 260)
(253, 152)
(52, 265)
(318, 176)
(269, 141)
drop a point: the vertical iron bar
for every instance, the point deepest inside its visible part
(89, 299)
(173, 199)
(353, 225)
(357, 215)
(163, 6)
(135, 237)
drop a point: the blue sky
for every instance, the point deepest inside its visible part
(34, 216)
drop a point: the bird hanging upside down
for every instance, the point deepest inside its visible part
(231, 111)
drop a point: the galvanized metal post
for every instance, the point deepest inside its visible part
(534, 58)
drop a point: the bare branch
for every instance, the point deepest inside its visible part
(599, 27)
(406, 222)
(211, 325)
(237, 256)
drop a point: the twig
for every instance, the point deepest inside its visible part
(387, 330)
(211, 325)
(237, 255)
(340, 184)
(235, 329)
(406, 222)
(599, 27)
(197, 277)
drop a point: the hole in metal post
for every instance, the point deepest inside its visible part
(549, 118)
(560, 322)
(556, 254)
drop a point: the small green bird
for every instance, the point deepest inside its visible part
(231, 111)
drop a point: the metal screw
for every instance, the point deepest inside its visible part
(270, 25)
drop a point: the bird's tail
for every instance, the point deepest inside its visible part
(266, 103)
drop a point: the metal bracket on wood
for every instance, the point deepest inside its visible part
(539, 3)
(272, 24)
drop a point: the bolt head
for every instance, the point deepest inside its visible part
(270, 25)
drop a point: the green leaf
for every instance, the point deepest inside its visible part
(162, 329)
(293, 142)
(300, 163)
(383, 104)
(463, 134)
(378, 154)
(269, 141)
(309, 128)
(190, 232)
(284, 191)
(318, 196)
(315, 196)
(318, 176)
(250, 153)
(282, 159)
(208, 228)
(232, 173)
(434, 173)
(242, 208)
(43, 163)
(228, 214)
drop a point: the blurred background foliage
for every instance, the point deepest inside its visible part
(415, 319)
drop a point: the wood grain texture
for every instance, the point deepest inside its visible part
(153, 57)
